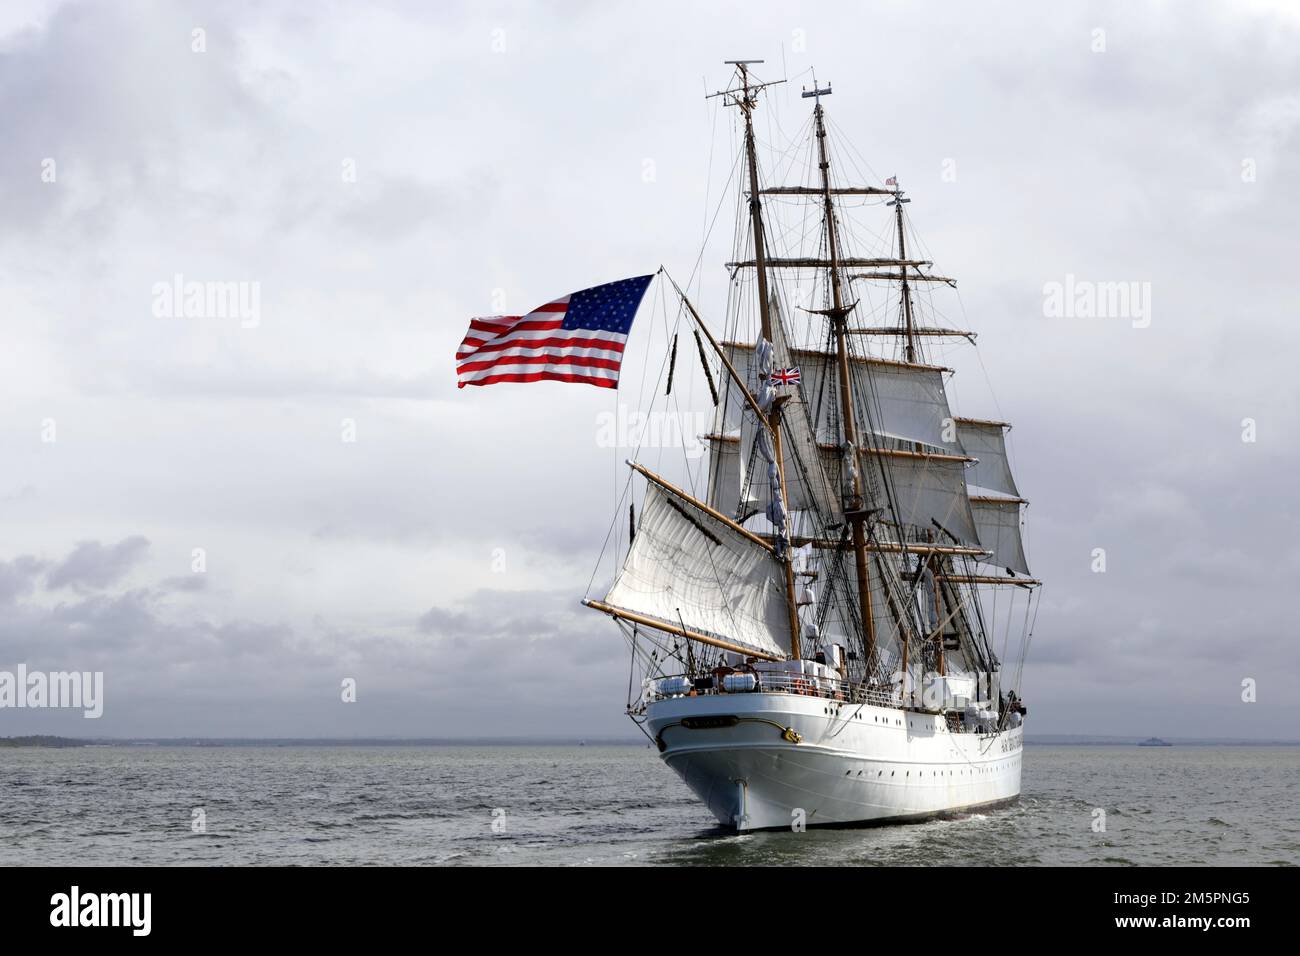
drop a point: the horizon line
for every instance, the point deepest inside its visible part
(1046, 738)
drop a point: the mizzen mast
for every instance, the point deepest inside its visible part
(897, 203)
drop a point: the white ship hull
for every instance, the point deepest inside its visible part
(853, 764)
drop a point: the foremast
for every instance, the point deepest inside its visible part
(746, 98)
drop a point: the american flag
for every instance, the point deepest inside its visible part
(891, 181)
(786, 376)
(578, 338)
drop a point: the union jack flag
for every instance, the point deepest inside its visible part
(786, 376)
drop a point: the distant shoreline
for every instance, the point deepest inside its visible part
(1081, 740)
(58, 743)
(39, 740)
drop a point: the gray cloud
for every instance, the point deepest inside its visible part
(451, 672)
(189, 582)
(439, 557)
(18, 577)
(113, 107)
(92, 565)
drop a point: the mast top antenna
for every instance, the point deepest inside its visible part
(816, 91)
(746, 94)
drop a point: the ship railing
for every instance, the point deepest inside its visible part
(768, 682)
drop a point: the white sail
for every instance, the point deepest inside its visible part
(924, 489)
(688, 569)
(998, 523)
(986, 441)
(726, 478)
(726, 473)
(905, 402)
(793, 736)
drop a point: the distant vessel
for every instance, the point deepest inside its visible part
(1154, 742)
(815, 630)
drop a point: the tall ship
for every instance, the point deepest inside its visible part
(827, 618)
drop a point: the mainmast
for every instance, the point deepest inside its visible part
(838, 313)
(747, 98)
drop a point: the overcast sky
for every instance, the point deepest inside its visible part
(383, 172)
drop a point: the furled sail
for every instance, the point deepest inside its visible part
(688, 569)
(986, 441)
(804, 472)
(738, 484)
(998, 523)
